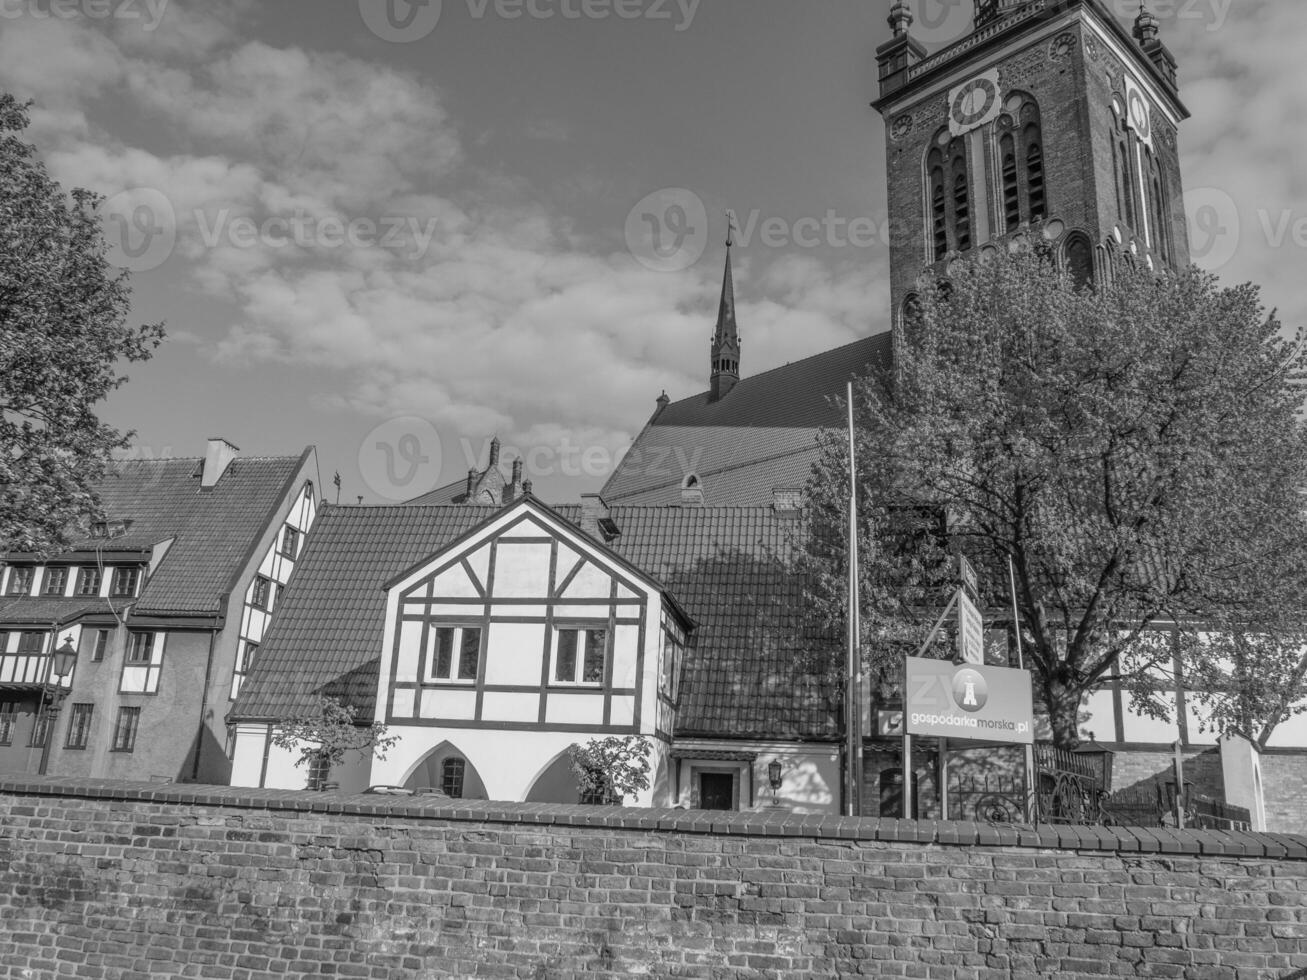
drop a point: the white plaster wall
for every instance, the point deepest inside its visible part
(810, 775)
(508, 762)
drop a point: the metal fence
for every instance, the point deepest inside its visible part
(1068, 789)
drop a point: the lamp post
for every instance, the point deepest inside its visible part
(62, 662)
(774, 779)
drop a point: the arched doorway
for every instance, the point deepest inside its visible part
(447, 769)
(555, 784)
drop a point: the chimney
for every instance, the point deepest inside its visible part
(494, 452)
(596, 519)
(217, 458)
(515, 487)
(472, 476)
(663, 402)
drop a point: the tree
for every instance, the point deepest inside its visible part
(325, 737)
(63, 313)
(611, 769)
(1135, 450)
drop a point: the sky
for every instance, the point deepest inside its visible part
(394, 230)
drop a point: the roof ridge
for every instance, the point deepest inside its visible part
(789, 364)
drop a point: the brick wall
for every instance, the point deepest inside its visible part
(135, 880)
(1284, 781)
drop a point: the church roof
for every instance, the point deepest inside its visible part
(761, 436)
(750, 671)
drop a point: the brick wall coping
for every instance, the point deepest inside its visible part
(1147, 840)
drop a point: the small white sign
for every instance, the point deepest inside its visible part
(971, 630)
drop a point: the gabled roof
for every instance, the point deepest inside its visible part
(749, 672)
(212, 532)
(759, 437)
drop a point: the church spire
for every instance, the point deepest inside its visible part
(726, 338)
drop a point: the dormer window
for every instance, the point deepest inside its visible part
(126, 581)
(88, 581)
(20, 580)
(56, 581)
(110, 528)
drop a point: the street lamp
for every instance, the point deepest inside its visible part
(65, 659)
(774, 778)
(1100, 759)
(62, 662)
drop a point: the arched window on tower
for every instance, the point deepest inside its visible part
(948, 183)
(1125, 169)
(961, 206)
(1079, 257)
(1011, 189)
(1161, 227)
(1035, 175)
(938, 208)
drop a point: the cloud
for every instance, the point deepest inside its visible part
(486, 312)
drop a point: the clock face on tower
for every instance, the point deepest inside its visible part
(973, 102)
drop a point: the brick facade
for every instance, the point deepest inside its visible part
(128, 880)
(1073, 76)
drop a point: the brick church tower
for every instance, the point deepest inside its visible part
(1049, 118)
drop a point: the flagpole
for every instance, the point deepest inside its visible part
(853, 685)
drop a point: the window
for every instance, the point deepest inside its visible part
(56, 581)
(8, 716)
(1035, 177)
(124, 731)
(20, 579)
(961, 206)
(290, 542)
(581, 656)
(40, 730)
(88, 581)
(79, 726)
(1080, 261)
(261, 592)
(244, 664)
(125, 582)
(99, 642)
(1011, 191)
(938, 219)
(451, 777)
(455, 655)
(31, 644)
(143, 664)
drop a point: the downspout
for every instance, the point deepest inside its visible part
(204, 695)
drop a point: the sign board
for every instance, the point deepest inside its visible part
(971, 630)
(985, 704)
(967, 575)
(889, 722)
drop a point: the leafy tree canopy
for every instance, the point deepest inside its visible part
(330, 733)
(1135, 450)
(63, 312)
(611, 769)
